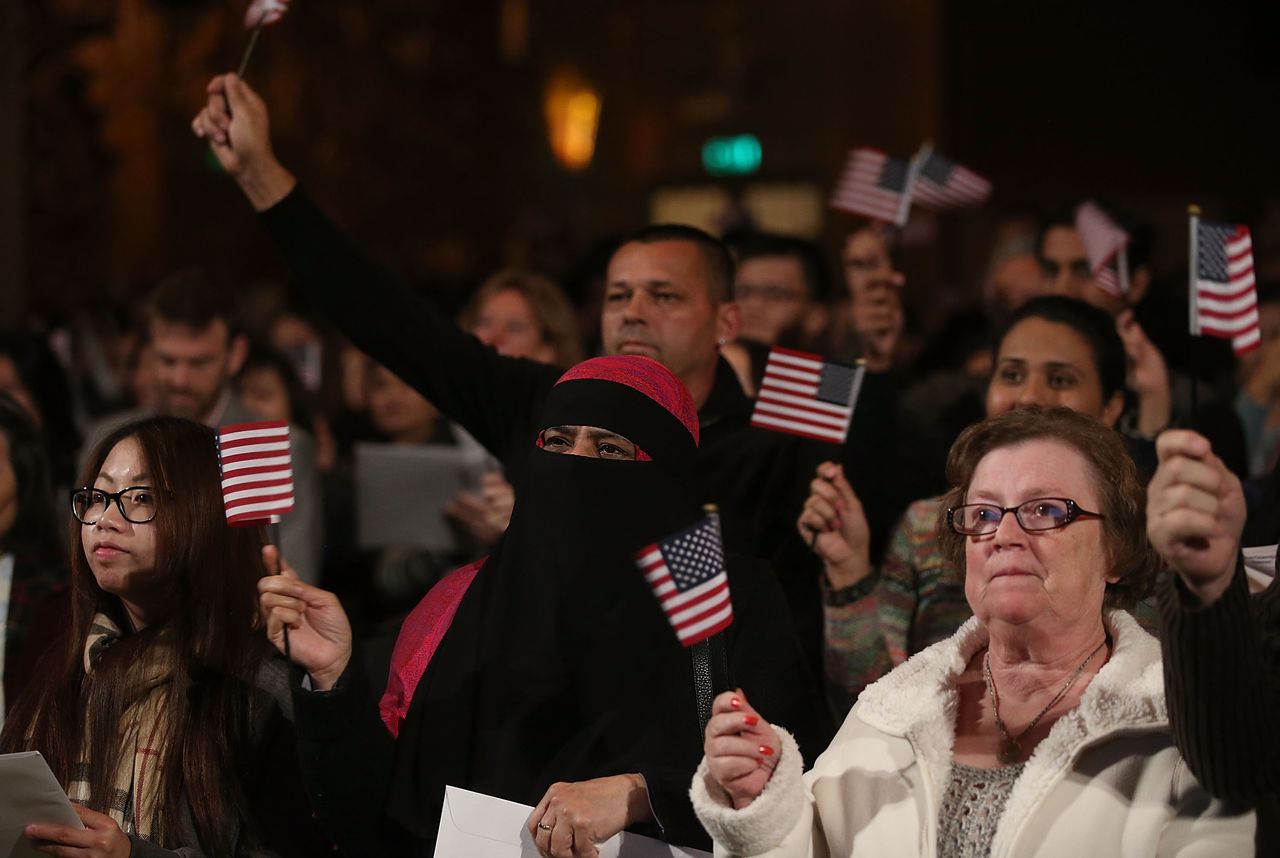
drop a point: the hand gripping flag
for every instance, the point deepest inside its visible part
(1224, 299)
(263, 12)
(1106, 245)
(257, 471)
(872, 185)
(687, 574)
(804, 395)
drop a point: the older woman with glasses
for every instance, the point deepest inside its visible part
(1038, 728)
(161, 710)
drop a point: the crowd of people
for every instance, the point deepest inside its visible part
(1008, 616)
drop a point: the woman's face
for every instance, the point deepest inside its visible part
(397, 410)
(590, 441)
(1054, 578)
(263, 391)
(1048, 364)
(507, 323)
(120, 552)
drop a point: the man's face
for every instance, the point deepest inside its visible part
(192, 366)
(867, 266)
(658, 303)
(772, 295)
(1065, 268)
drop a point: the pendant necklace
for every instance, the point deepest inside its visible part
(1010, 749)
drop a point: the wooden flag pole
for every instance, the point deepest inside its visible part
(273, 538)
(914, 166)
(253, 42)
(1193, 310)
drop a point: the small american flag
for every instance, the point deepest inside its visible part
(944, 184)
(1224, 297)
(257, 471)
(1104, 244)
(804, 395)
(872, 184)
(263, 12)
(687, 574)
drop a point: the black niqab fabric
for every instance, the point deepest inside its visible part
(559, 664)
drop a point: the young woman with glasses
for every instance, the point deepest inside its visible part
(161, 709)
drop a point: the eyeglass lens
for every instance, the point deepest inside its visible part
(135, 504)
(1035, 514)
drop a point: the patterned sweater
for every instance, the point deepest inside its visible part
(916, 600)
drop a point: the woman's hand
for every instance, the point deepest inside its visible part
(100, 837)
(572, 818)
(877, 318)
(319, 631)
(741, 748)
(1147, 376)
(833, 514)
(487, 514)
(235, 122)
(1195, 513)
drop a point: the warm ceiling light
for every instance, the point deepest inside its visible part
(572, 107)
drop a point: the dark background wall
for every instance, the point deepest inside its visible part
(419, 124)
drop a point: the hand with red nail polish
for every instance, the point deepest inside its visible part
(741, 748)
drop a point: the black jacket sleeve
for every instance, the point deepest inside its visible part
(1222, 681)
(489, 395)
(347, 759)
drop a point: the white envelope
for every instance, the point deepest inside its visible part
(474, 825)
(29, 793)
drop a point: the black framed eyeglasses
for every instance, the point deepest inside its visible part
(977, 519)
(136, 503)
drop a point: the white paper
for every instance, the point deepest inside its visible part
(1260, 566)
(474, 825)
(401, 492)
(29, 793)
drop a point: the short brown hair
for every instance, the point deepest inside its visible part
(1121, 494)
(551, 310)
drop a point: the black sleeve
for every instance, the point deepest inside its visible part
(766, 661)
(489, 395)
(1222, 681)
(347, 758)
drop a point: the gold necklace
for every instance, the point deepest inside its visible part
(1010, 751)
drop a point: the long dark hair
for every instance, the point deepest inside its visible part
(206, 618)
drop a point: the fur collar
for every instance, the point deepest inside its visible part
(917, 701)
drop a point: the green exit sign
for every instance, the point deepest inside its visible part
(731, 156)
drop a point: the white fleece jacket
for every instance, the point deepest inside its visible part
(1106, 781)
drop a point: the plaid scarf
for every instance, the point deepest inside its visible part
(136, 790)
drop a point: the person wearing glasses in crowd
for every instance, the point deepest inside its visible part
(161, 709)
(1039, 728)
(1054, 351)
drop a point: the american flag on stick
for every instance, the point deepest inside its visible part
(1224, 299)
(940, 183)
(873, 185)
(802, 394)
(1106, 245)
(687, 574)
(257, 471)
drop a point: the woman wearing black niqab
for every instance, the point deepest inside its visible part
(552, 661)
